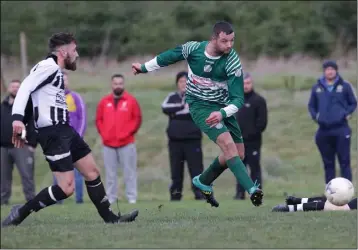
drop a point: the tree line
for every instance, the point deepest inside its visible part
(125, 28)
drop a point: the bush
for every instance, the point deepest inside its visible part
(272, 28)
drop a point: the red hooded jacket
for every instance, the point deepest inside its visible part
(117, 124)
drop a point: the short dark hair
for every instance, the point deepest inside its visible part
(180, 75)
(59, 39)
(117, 75)
(15, 80)
(222, 26)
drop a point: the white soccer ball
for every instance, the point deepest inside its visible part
(339, 191)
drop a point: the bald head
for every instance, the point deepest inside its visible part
(248, 84)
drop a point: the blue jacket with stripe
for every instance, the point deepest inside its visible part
(329, 105)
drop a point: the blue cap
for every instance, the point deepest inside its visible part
(330, 63)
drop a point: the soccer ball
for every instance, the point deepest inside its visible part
(339, 191)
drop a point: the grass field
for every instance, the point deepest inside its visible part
(188, 224)
(290, 160)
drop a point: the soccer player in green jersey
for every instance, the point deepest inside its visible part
(214, 94)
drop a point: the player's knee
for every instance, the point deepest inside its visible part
(68, 187)
(240, 150)
(241, 155)
(229, 148)
(91, 173)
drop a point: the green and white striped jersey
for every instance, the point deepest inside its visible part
(213, 79)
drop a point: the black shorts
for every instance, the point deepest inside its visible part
(353, 204)
(62, 146)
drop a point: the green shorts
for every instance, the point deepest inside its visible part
(200, 111)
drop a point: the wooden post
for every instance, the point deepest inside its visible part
(3, 84)
(23, 52)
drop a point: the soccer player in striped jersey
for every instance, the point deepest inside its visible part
(42, 95)
(214, 94)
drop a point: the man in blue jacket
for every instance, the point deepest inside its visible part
(331, 104)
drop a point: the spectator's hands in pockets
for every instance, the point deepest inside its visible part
(18, 134)
(136, 68)
(214, 118)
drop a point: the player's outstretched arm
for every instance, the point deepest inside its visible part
(166, 58)
(39, 76)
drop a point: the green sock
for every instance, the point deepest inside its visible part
(238, 168)
(212, 172)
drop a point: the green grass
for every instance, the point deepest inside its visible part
(189, 224)
(290, 160)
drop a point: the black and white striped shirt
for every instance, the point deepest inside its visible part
(46, 87)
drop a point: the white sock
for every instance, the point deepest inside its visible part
(304, 200)
(291, 208)
(300, 207)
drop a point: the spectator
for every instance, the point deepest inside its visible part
(78, 119)
(252, 119)
(23, 158)
(118, 119)
(331, 104)
(184, 140)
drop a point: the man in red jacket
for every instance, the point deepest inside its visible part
(118, 118)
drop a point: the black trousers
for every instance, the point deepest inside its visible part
(188, 151)
(23, 158)
(252, 161)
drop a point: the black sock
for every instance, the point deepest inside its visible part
(98, 196)
(317, 199)
(313, 206)
(310, 206)
(296, 200)
(47, 197)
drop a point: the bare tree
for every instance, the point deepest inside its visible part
(105, 45)
(23, 49)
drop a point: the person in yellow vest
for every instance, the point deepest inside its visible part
(78, 120)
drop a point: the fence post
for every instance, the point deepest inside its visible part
(3, 84)
(23, 54)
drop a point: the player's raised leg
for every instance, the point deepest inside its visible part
(87, 167)
(218, 166)
(237, 167)
(230, 155)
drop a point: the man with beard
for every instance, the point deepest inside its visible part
(214, 93)
(23, 158)
(331, 104)
(43, 92)
(118, 119)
